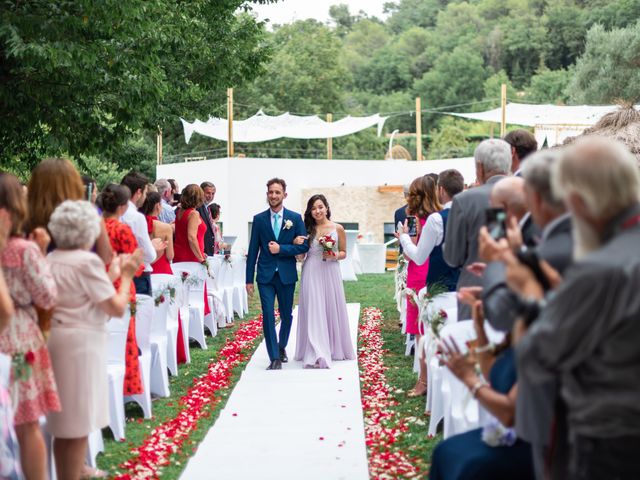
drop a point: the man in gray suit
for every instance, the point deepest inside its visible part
(586, 336)
(536, 404)
(493, 162)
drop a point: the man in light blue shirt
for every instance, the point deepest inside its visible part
(167, 215)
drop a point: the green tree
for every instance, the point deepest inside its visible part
(549, 86)
(364, 40)
(566, 32)
(342, 18)
(608, 70)
(413, 13)
(457, 77)
(493, 88)
(82, 77)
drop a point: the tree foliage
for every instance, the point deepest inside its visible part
(82, 77)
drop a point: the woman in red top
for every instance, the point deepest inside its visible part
(113, 202)
(190, 229)
(157, 229)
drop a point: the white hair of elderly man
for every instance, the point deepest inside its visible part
(74, 224)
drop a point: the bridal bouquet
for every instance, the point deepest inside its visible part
(327, 242)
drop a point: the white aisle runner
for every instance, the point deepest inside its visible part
(290, 424)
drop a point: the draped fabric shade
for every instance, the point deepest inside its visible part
(262, 127)
(532, 115)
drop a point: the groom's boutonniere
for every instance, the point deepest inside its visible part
(288, 224)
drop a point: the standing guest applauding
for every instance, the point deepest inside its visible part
(30, 284)
(78, 338)
(151, 208)
(190, 228)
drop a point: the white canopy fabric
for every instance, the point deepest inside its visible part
(534, 115)
(262, 127)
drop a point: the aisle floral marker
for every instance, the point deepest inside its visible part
(173, 435)
(382, 425)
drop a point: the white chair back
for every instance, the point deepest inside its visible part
(117, 338)
(144, 320)
(195, 270)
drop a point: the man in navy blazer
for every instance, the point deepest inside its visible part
(271, 245)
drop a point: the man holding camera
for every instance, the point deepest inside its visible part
(468, 213)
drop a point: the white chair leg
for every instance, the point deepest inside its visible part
(144, 399)
(116, 401)
(159, 371)
(172, 350)
(185, 321)
(95, 445)
(196, 327)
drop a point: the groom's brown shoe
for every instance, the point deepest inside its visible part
(283, 356)
(275, 365)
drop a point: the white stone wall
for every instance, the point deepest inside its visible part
(351, 186)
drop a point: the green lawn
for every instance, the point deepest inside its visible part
(369, 290)
(377, 291)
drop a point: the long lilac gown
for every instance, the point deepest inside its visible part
(323, 322)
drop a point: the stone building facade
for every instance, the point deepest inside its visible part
(369, 207)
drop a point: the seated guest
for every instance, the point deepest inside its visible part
(78, 339)
(30, 285)
(585, 335)
(190, 228)
(151, 208)
(167, 215)
(113, 200)
(492, 452)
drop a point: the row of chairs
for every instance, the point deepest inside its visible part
(195, 297)
(448, 400)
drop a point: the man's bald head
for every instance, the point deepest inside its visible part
(509, 194)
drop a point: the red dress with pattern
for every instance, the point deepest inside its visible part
(123, 241)
(30, 283)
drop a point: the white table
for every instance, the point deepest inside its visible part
(372, 257)
(347, 266)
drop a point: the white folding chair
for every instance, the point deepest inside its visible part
(158, 341)
(194, 292)
(215, 293)
(240, 281)
(225, 285)
(144, 319)
(117, 329)
(160, 282)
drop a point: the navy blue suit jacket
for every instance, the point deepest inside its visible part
(284, 261)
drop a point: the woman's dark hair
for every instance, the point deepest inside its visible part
(112, 197)
(153, 198)
(214, 208)
(309, 221)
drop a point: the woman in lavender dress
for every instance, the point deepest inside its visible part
(323, 323)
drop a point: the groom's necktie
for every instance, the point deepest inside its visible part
(276, 224)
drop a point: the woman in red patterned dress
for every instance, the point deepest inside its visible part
(113, 202)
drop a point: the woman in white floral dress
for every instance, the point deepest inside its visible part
(30, 284)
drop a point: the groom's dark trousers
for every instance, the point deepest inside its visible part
(276, 274)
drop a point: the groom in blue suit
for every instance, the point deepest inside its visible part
(271, 245)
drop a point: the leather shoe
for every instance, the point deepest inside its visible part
(275, 365)
(283, 356)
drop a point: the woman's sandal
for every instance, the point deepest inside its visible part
(414, 394)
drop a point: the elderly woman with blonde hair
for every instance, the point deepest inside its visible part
(77, 343)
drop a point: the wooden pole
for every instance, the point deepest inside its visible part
(503, 103)
(159, 146)
(230, 121)
(418, 130)
(329, 140)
